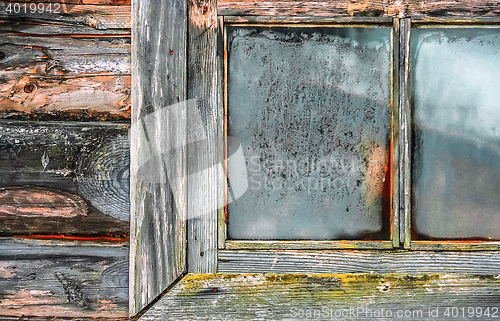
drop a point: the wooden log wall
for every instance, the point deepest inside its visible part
(64, 159)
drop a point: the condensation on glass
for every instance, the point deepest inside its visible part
(311, 108)
(456, 101)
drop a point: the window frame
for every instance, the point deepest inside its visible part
(393, 241)
(435, 245)
(402, 149)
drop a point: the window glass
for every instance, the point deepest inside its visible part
(311, 108)
(456, 101)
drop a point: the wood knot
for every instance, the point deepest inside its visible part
(205, 9)
(2, 55)
(28, 88)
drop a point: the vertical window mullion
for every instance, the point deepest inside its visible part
(404, 133)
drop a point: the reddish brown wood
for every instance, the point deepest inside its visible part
(42, 211)
(36, 202)
(96, 97)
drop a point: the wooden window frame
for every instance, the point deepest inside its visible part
(393, 242)
(176, 56)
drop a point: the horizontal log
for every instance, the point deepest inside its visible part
(373, 8)
(329, 297)
(64, 55)
(96, 16)
(62, 77)
(94, 97)
(47, 28)
(68, 178)
(342, 261)
(69, 279)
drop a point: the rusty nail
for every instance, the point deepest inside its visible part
(28, 88)
(215, 290)
(205, 9)
(171, 52)
(2, 55)
(202, 253)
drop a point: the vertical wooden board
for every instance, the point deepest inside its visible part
(404, 132)
(63, 279)
(205, 169)
(158, 158)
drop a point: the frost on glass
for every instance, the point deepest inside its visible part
(456, 95)
(311, 108)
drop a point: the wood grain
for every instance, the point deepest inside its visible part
(64, 177)
(69, 279)
(205, 180)
(65, 55)
(321, 296)
(158, 152)
(374, 8)
(98, 17)
(77, 98)
(61, 77)
(380, 262)
(404, 133)
(33, 28)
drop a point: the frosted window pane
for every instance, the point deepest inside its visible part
(456, 172)
(311, 108)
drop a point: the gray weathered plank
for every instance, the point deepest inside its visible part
(65, 55)
(158, 152)
(380, 262)
(64, 177)
(69, 279)
(328, 297)
(404, 133)
(373, 8)
(205, 130)
(20, 27)
(95, 16)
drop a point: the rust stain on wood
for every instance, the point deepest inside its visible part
(376, 169)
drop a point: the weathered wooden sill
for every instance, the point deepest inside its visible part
(326, 297)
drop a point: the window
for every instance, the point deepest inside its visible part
(456, 127)
(311, 107)
(355, 98)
